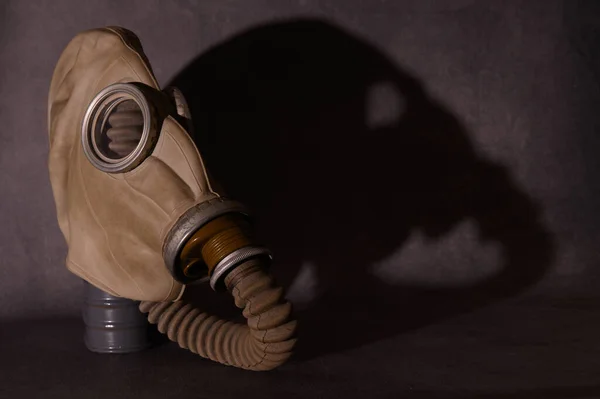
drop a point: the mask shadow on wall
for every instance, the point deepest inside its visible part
(343, 156)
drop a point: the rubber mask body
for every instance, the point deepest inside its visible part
(115, 224)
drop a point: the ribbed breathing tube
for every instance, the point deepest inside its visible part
(268, 338)
(264, 343)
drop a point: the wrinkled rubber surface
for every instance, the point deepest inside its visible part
(263, 344)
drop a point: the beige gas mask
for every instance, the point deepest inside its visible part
(139, 212)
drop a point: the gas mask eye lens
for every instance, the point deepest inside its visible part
(119, 129)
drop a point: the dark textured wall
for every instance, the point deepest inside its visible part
(439, 151)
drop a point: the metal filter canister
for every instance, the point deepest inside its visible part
(113, 324)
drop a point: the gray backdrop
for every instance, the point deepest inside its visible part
(406, 160)
(519, 76)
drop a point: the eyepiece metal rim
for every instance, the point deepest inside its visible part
(103, 102)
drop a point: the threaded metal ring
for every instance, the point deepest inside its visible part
(190, 222)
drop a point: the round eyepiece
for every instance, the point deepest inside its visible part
(119, 128)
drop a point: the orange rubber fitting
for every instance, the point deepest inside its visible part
(212, 242)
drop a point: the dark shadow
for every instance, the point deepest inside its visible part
(283, 121)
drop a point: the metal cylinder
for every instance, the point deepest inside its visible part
(113, 324)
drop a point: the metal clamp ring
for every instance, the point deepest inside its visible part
(232, 260)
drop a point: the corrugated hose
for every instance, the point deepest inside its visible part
(268, 338)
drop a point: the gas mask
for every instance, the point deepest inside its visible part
(139, 212)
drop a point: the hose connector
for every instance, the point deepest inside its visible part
(231, 261)
(218, 247)
(209, 241)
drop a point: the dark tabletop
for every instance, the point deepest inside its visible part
(526, 349)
